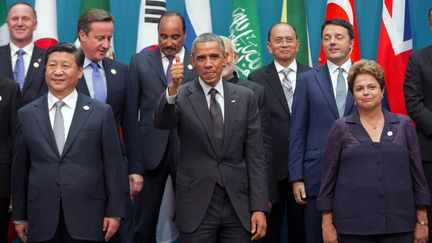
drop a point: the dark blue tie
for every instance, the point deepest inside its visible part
(19, 69)
(168, 72)
(98, 83)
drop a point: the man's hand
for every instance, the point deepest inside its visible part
(21, 230)
(176, 75)
(110, 226)
(421, 233)
(259, 225)
(136, 182)
(299, 192)
(329, 233)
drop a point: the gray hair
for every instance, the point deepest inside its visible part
(232, 42)
(208, 37)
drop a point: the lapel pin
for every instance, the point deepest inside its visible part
(1, 98)
(389, 133)
(113, 71)
(36, 64)
(232, 101)
(190, 67)
(86, 107)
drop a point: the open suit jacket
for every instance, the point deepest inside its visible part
(34, 84)
(315, 110)
(86, 178)
(149, 82)
(241, 163)
(124, 108)
(418, 98)
(280, 115)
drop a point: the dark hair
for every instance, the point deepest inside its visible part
(23, 3)
(93, 15)
(69, 48)
(280, 23)
(171, 14)
(365, 67)
(339, 22)
(208, 37)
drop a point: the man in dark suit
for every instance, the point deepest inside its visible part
(21, 60)
(221, 186)
(321, 97)
(283, 45)
(67, 172)
(107, 80)
(148, 73)
(10, 100)
(418, 99)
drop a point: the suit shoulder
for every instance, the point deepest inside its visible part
(256, 87)
(8, 82)
(259, 72)
(241, 90)
(33, 104)
(422, 53)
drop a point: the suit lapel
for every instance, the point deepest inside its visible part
(6, 61)
(41, 115)
(34, 66)
(155, 61)
(322, 77)
(82, 86)
(187, 66)
(274, 82)
(79, 117)
(110, 78)
(199, 104)
(230, 111)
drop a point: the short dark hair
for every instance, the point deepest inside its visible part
(171, 14)
(365, 67)
(280, 23)
(69, 48)
(340, 22)
(93, 15)
(23, 3)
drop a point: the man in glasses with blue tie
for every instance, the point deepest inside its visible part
(21, 60)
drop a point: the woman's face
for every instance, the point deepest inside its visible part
(367, 92)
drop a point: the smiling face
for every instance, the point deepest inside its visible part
(337, 44)
(62, 73)
(367, 92)
(208, 58)
(97, 41)
(283, 44)
(21, 22)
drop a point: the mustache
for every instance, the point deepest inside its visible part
(169, 48)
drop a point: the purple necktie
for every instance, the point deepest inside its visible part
(98, 83)
(18, 71)
(168, 71)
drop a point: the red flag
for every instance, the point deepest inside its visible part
(394, 48)
(46, 31)
(343, 9)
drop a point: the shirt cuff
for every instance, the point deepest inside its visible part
(20, 221)
(170, 99)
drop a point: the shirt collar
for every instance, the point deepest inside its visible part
(333, 67)
(292, 66)
(206, 88)
(70, 100)
(28, 49)
(87, 62)
(181, 54)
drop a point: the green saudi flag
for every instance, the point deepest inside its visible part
(4, 33)
(293, 12)
(101, 4)
(245, 33)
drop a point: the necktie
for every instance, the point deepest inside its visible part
(340, 92)
(98, 83)
(218, 125)
(168, 71)
(287, 87)
(19, 68)
(58, 128)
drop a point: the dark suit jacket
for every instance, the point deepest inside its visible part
(241, 164)
(149, 82)
(418, 97)
(124, 108)
(280, 115)
(86, 178)
(315, 110)
(373, 188)
(34, 85)
(10, 100)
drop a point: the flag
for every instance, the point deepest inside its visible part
(344, 9)
(150, 12)
(245, 33)
(394, 47)
(45, 34)
(4, 32)
(100, 4)
(293, 12)
(198, 19)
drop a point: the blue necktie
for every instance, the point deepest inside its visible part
(19, 69)
(98, 83)
(58, 127)
(168, 72)
(341, 92)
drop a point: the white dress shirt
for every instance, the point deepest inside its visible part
(334, 72)
(28, 49)
(292, 74)
(88, 72)
(67, 110)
